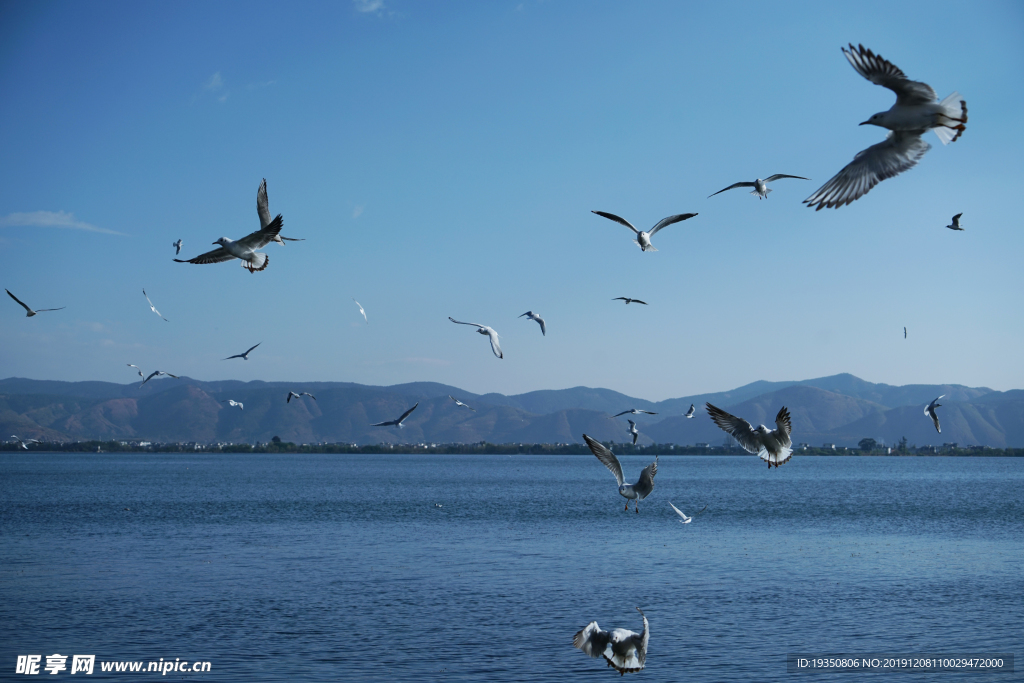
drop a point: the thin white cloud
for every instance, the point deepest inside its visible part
(215, 82)
(51, 219)
(368, 5)
(357, 212)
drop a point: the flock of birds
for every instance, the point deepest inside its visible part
(917, 109)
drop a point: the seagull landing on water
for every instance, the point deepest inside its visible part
(292, 394)
(177, 247)
(771, 445)
(263, 209)
(23, 442)
(361, 311)
(157, 374)
(636, 492)
(633, 431)
(399, 421)
(761, 188)
(634, 411)
(624, 650)
(530, 315)
(955, 225)
(643, 239)
(916, 110)
(152, 306)
(243, 356)
(30, 312)
(689, 413)
(930, 412)
(460, 403)
(233, 403)
(629, 301)
(491, 334)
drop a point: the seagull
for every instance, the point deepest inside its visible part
(263, 209)
(157, 374)
(904, 332)
(233, 403)
(633, 430)
(643, 239)
(930, 412)
(916, 110)
(629, 301)
(460, 403)
(635, 411)
(399, 421)
(638, 491)
(243, 356)
(489, 332)
(761, 188)
(29, 312)
(685, 519)
(772, 446)
(627, 650)
(23, 442)
(361, 311)
(139, 370)
(955, 225)
(438, 505)
(530, 315)
(689, 413)
(177, 247)
(292, 394)
(151, 304)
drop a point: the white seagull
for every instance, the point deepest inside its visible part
(773, 446)
(399, 421)
(930, 412)
(685, 519)
(243, 356)
(643, 239)
(633, 430)
(916, 110)
(29, 312)
(622, 649)
(761, 188)
(292, 394)
(689, 413)
(638, 491)
(23, 442)
(629, 301)
(151, 304)
(233, 403)
(177, 247)
(530, 315)
(635, 411)
(263, 209)
(460, 403)
(361, 311)
(955, 225)
(491, 334)
(139, 371)
(157, 374)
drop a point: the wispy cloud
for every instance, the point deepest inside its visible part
(215, 84)
(51, 219)
(368, 6)
(357, 212)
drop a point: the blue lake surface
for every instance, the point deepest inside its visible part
(338, 567)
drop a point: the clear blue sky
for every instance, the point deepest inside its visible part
(442, 159)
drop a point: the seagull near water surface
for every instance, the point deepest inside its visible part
(930, 412)
(643, 239)
(761, 188)
(151, 306)
(23, 442)
(624, 650)
(243, 356)
(917, 110)
(29, 312)
(774, 446)
(399, 421)
(636, 492)
(491, 334)
(530, 315)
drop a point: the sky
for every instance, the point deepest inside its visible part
(443, 159)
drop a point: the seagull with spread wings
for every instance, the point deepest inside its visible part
(685, 519)
(774, 446)
(491, 334)
(292, 394)
(761, 188)
(633, 431)
(460, 403)
(629, 301)
(361, 311)
(643, 239)
(138, 369)
(624, 650)
(151, 305)
(636, 492)
(530, 315)
(634, 411)
(917, 110)
(177, 247)
(263, 209)
(955, 225)
(29, 312)
(243, 356)
(399, 421)
(234, 404)
(23, 442)
(930, 412)
(157, 373)
(689, 413)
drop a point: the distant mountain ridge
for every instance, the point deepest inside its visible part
(839, 409)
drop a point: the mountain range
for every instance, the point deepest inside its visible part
(841, 409)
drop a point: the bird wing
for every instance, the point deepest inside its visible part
(775, 177)
(641, 647)
(543, 327)
(645, 484)
(263, 205)
(784, 428)
(43, 310)
(618, 298)
(736, 426)
(18, 300)
(290, 394)
(292, 239)
(592, 640)
(901, 150)
(169, 375)
(309, 394)
(606, 457)
(406, 414)
(637, 301)
(462, 323)
(493, 336)
(886, 74)
(623, 413)
(250, 350)
(646, 411)
(385, 424)
(734, 185)
(151, 376)
(218, 255)
(617, 219)
(664, 222)
(263, 236)
(678, 511)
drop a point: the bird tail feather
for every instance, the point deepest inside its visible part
(259, 262)
(780, 459)
(953, 119)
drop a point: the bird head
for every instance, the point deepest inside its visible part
(875, 120)
(222, 241)
(762, 430)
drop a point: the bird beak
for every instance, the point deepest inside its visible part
(863, 123)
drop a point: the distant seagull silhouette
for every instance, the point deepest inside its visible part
(930, 412)
(634, 411)
(636, 492)
(243, 356)
(399, 421)
(152, 306)
(633, 430)
(361, 311)
(460, 403)
(263, 209)
(761, 188)
(157, 373)
(292, 394)
(643, 239)
(904, 332)
(23, 442)
(955, 225)
(233, 403)
(624, 650)
(629, 301)
(491, 334)
(916, 110)
(177, 247)
(772, 446)
(689, 413)
(29, 312)
(530, 315)
(139, 371)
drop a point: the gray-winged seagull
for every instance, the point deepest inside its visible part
(530, 315)
(292, 394)
(460, 403)
(955, 225)
(263, 209)
(243, 356)
(491, 334)
(177, 247)
(636, 492)
(624, 650)
(29, 312)
(930, 412)
(633, 431)
(634, 411)
(151, 305)
(399, 421)
(233, 403)
(157, 373)
(629, 301)
(643, 239)
(773, 446)
(138, 369)
(23, 442)
(761, 188)
(689, 413)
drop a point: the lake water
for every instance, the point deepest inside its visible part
(327, 567)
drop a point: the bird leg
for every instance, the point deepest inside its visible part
(627, 505)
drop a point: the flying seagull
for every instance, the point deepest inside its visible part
(157, 374)
(916, 110)
(689, 413)
(243, 356)
(772, 446)
(904, 332)
(638, 491)
(530, 315)
(152, 306)
(460, 403)
(177, 247)
(685, 519)
(233, 403)
(955, 225)
(139, 371)
(635, 411)
(263, 209)
(930, 412)
(622, 649)
(23, 442)
(29, 312)
(485, 330)
(643, 239)
(629, 301)
(633, 430)
(761, 188)
(292, 394)
(361, 311)
(399, 421)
